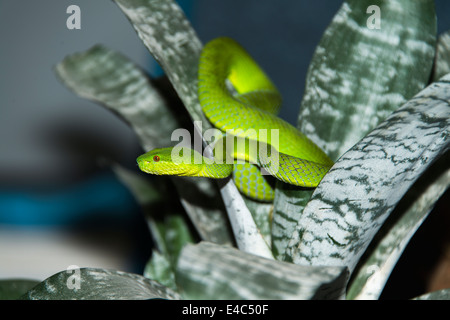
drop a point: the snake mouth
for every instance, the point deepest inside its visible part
(143, 164)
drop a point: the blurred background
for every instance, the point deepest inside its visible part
(60, 205)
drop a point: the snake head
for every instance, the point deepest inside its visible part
(164, 161)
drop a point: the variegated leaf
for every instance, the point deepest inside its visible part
(373, 272)
(357, 77)
(168, 35)
(365, 185)
(442, 61)
(209, 271)
(262, 214)
(107, 77)
(171, 234)
(98, 284)
(160, 269)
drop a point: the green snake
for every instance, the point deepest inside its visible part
(249, 109)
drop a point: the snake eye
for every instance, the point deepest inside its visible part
(156, 158)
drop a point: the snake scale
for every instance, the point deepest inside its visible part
(249, 109)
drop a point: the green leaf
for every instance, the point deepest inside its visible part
(367, 183)
(109, 78)
(12, 289)
(209, 271)
(357, 77)
(382, 255)
(435, 295)
(98, 284)
(172, 235)
(262, 215)
(442, 61)
(347, 95)
(160, 269)
(172, 41)
(288, 205)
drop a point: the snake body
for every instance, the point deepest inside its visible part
(249, 111)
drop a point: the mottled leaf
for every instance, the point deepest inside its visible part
(98, 284)
(288, 206)
(12, 289)
(357, 77)
(209, 271)
(262, 214)
(168, 35)
(442, 61)
(107, 77)
(349, 93)
(366, 184)
(382, 255)
(173, 234)
(160, 269)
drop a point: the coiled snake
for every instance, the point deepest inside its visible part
(250, 112)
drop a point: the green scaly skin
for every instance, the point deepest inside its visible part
(160, 162)
(251, 108)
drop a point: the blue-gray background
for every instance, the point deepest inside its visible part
(52, 142)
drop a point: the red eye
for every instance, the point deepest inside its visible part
(156, 158)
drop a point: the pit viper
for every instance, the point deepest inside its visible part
(247, 108)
